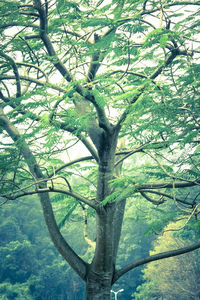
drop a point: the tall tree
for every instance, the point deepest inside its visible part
(119, 77)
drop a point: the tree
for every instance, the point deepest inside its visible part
(122, 79)
(30, 265)
(176, 277)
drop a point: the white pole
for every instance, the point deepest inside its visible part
(117, 293)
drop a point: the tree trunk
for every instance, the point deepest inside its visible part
(101, 271)
(98, 286)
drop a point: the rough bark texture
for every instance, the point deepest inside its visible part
(98, 286)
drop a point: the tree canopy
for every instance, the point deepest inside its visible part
(99, 104)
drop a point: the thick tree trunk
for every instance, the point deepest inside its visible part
(101, 271)
(98, 286)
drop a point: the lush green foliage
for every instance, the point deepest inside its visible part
(130, 55)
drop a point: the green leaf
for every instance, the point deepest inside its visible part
(93, 22)
(163, 40)
(63, 221)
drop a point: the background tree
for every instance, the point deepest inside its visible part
(30, 265)
(176, 277)
(119, 77)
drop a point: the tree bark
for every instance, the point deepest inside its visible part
(101, 271)
(98, 286)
